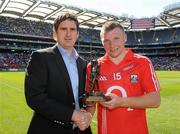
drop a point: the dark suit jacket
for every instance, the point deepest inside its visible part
(48, 92)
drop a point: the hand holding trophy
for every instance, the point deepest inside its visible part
(92, 95)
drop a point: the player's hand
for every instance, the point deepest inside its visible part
(113, 103)
(83, 124)
(82, 119)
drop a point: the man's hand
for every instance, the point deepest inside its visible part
(82, 118)
(113, 103)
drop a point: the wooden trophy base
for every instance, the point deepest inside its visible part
(97, 97)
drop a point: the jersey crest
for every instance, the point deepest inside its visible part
(134, 78)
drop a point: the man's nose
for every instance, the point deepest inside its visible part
(68, 33)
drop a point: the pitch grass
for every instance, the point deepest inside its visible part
(15, 114)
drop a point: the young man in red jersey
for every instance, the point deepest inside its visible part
(131, 82)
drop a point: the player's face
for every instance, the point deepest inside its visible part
(113, 42)
(66, 34)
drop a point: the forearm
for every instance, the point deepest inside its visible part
(150, 100)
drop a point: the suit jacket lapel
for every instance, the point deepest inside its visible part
(63, 69)
(80, 73)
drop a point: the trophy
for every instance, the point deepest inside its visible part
(92, 95)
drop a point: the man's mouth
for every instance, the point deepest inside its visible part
(113, 49)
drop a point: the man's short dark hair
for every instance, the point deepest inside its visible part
(110, 25)
(65, 16)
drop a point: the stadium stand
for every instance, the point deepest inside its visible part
(162, 46)
(20, 37)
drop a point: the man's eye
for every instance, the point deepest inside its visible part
(62, 29)
(117, 38)
(73, 29)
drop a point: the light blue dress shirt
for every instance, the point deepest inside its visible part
(71, 66)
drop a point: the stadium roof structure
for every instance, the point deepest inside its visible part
(46, 12)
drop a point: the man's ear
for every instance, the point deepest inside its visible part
(54, 35)
(77, 35)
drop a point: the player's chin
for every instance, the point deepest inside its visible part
(69, 44)
(114, 55)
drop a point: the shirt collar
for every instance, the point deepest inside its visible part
(75, 55)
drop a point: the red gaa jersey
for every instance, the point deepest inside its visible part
(134, 76)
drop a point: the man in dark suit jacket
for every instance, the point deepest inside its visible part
(54, 82)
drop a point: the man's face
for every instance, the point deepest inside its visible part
(66, 34)
(113, 42)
